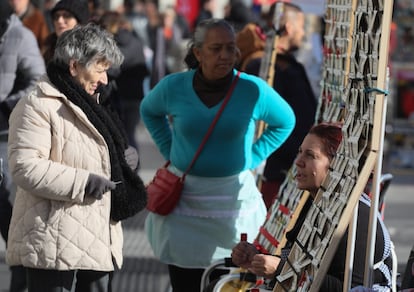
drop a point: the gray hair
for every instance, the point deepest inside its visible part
(199, 36)
(87, 45)
(204, 26)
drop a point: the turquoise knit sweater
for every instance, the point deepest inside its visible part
(232, 147)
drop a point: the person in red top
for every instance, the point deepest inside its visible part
(407, 102)
(66, 14)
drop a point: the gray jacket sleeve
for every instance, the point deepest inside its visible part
(24, 67)
(30, 67)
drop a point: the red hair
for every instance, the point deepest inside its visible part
(331, 136)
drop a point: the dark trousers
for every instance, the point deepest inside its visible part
(128, 111)
(5, 213)
(189, 280)
(270, 190)
(185, 280)
(18, 279)
(39, 280)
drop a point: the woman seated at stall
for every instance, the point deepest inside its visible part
(312, 162)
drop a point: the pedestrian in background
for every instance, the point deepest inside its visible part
(65, 15)
(126, 90)
(21, 65)
(291, 81)
(238, 14)
(207, 8)
(134, 11)
(169, 45)
(220, 199)
(70, 161)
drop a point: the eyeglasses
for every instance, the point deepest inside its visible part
(66, 15)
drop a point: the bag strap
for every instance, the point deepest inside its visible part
(213, 123)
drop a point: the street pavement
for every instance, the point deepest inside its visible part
(143, 272)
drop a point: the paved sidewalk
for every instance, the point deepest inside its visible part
(140, 272)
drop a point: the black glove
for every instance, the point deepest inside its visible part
(97, 185)
(131, 157)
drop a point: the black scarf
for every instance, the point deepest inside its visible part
(130, 196)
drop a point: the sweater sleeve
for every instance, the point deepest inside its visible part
(279, 117)
(154, 115)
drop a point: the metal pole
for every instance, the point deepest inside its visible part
(372, 227)
(350, 251)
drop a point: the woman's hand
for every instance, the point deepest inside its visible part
(132, 157)
(264, 265)
(243, 253)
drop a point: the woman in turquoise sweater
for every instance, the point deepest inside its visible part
(220, 199)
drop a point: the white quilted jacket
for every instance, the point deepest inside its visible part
(52, 149)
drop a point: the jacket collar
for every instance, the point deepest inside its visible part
(47, 87)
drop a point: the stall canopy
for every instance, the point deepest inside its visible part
(308, 6)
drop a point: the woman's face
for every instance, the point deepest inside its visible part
(218, 53)
(19, 6)
(63, 20)
(312, 164)
(90, 77)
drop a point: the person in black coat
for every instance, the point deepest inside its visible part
(126, 83)
(292, 83)
(238, 14)
(206, 11)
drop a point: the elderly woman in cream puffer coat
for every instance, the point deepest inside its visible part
(68, 160)
(52, 213)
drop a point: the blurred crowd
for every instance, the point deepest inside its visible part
(153, 40)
